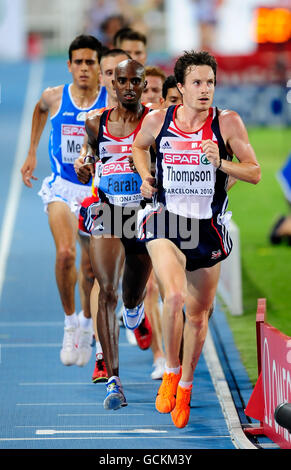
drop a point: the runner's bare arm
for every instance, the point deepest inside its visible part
(237, 142)
(48, 100)
(145, 138)
(86, 151)
(85, 170)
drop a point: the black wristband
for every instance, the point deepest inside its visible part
(220, 161)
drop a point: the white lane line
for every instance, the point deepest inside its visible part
(95, 431)
(79, 404)
(39, 426)
(100, 414)
(15, 185)
(45, 384)
(30, 324)
(237, 435)
(30, 345)
(5, 439)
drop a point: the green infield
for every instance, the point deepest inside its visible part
(265, 267)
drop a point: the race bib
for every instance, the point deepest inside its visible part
(71, 142)
(120, 184)
(188, 173)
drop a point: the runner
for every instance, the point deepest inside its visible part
(67, 106)
(108, 61)
(170, 92)
(155, 78)
(113, 246)
(133, 42)
(185, 229)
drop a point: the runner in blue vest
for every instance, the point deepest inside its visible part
(67, 106)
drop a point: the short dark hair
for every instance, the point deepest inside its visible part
(114, 53)
(85, 42)
(190, 58)
(128, 34)
(170, 82)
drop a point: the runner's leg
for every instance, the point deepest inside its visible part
(107, 259)
(169, 267)
(137, 269)
(64, 225)
(201, 287)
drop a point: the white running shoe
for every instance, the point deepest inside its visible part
(84, 346)
(132, 317)
(69, 352)
(130, 336)
(159, 368)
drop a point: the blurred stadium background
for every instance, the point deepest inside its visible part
(251, 40)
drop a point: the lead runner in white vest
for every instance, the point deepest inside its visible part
(187, 186)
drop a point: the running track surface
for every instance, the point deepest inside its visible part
(45, 405)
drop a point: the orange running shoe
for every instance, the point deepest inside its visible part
(166, 397)
(181, 412)
(100, 372)
(143, 333)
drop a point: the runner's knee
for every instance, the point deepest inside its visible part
(198, 320)
(174, 301)
(108, 294)
(152, 287)
(66, 257)
(87, 271)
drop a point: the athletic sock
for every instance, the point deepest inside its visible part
(71, 320)
(98, 347)
(172, 370)
(85, 323)
(185, 384)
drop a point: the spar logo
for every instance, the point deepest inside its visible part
(116, 168)
(73, 130)
(181, 159)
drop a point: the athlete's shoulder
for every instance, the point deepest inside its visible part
(51, 98)
(156, 115)
(152, 105)
(231, 124)
(92, 122)
(52, 94)
(153, 123)
(96, 112)
(229, 117)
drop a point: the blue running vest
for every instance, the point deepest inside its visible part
(67, 134)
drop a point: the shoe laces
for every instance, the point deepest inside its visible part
(100, 363)
(69, 338)
(85, 338)
(112, 386)
(183, 398)
(168, 383)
